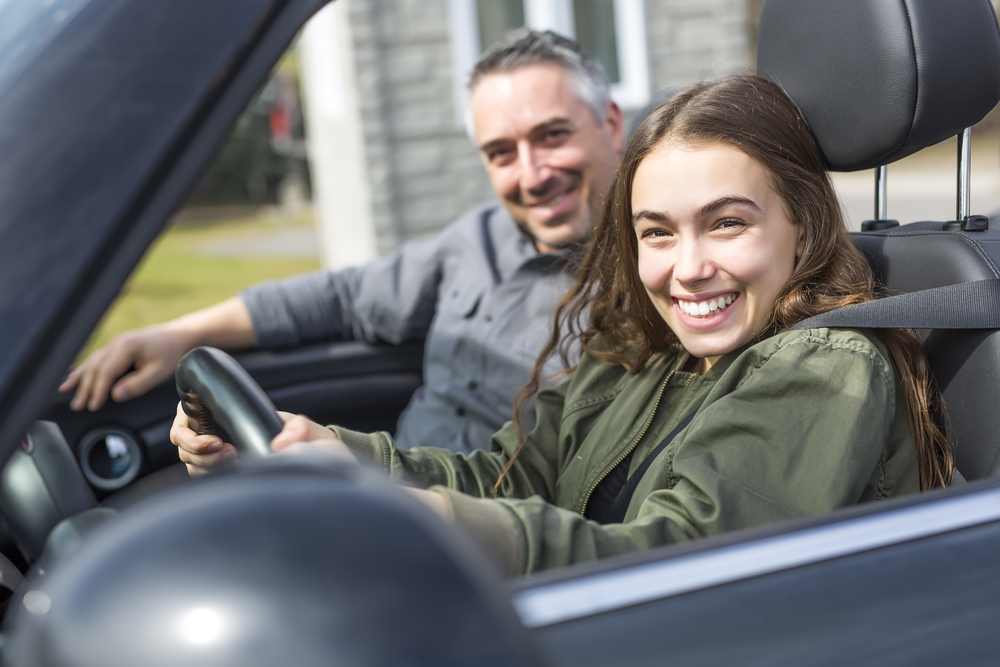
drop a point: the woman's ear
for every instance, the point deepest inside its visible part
(800, 244)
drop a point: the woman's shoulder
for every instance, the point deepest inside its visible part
(835, 348)
(601, 373)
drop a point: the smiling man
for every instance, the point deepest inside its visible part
(481, 292)
(548, 155)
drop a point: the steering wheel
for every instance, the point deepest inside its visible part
(48, 504)
(220, 398)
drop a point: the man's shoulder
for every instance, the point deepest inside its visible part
(462, 233)
(471, 220)
(488, 226)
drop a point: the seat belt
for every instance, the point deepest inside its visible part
(615, 513)
(972, 305)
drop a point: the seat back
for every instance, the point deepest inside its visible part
(966, 363)
(878, 80)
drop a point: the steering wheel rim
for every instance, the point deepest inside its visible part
(216, 392)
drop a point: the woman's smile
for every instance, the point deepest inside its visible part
(703, 309)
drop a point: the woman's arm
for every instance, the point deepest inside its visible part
(533, 473)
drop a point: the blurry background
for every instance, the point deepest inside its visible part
(357, 142)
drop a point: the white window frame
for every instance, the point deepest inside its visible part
(632, 92)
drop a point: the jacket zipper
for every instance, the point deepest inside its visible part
(635, 444)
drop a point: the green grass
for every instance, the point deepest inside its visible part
(185, 270)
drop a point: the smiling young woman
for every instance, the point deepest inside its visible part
(720, 233)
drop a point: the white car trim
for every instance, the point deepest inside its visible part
(607, 591)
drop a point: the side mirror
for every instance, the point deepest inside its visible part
(293, 560)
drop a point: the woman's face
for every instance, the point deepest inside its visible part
(715, 244)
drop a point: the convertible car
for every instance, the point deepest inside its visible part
(109, 112)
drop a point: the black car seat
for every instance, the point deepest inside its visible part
(878, 80)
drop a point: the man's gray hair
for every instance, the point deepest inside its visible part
(524, 46)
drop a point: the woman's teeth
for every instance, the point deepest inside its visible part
(703, 308)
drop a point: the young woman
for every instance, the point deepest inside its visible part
(721, 232)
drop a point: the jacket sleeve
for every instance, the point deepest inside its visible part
(475, 473)
(390, 299)
(794, 433)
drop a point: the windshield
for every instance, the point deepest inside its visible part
(25, 28)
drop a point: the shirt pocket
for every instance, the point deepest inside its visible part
(453, 326)
(462, 302)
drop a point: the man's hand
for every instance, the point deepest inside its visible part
(154, 353)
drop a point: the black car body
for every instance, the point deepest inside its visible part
(107, 119)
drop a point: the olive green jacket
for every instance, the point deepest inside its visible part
(799, 424)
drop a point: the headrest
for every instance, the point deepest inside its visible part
(878, 80)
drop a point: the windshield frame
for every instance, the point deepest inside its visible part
(26, 29)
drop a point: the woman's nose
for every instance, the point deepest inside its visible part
(693, 264)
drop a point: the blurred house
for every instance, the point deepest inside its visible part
(384, 86)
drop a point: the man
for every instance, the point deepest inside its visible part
(482, 291)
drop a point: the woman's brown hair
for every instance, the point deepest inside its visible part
(755, 116)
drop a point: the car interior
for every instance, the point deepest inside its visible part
(876, 81)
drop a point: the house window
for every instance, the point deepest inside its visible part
(612, 31)
(594, 25)
(495, 18)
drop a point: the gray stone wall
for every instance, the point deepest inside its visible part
(422, 169)
(695, 40)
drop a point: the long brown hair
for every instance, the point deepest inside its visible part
(755, 116)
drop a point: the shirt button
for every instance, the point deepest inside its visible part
(488, 317)
(460, 412)
(473, 384)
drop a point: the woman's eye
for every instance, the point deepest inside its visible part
(729, 224)
(654, 233)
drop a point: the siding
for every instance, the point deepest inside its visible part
(424, 172)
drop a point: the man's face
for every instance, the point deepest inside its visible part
(549, 160)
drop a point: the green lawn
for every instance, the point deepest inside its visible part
(196, 264)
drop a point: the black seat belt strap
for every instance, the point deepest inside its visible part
(974, 305)
(616, 512)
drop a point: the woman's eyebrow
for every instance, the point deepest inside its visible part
(728, 200)
(655, 216)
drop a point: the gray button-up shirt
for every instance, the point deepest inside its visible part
(478, 292)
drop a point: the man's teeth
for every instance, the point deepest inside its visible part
(552, 203)
(703, 308)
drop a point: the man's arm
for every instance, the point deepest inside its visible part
(154, 353)
(391, 299)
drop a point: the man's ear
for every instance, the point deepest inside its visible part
(616, 125)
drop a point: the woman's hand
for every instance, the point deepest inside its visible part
(303, 436)
(200, 453)
(300, 436)
(434, 500)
